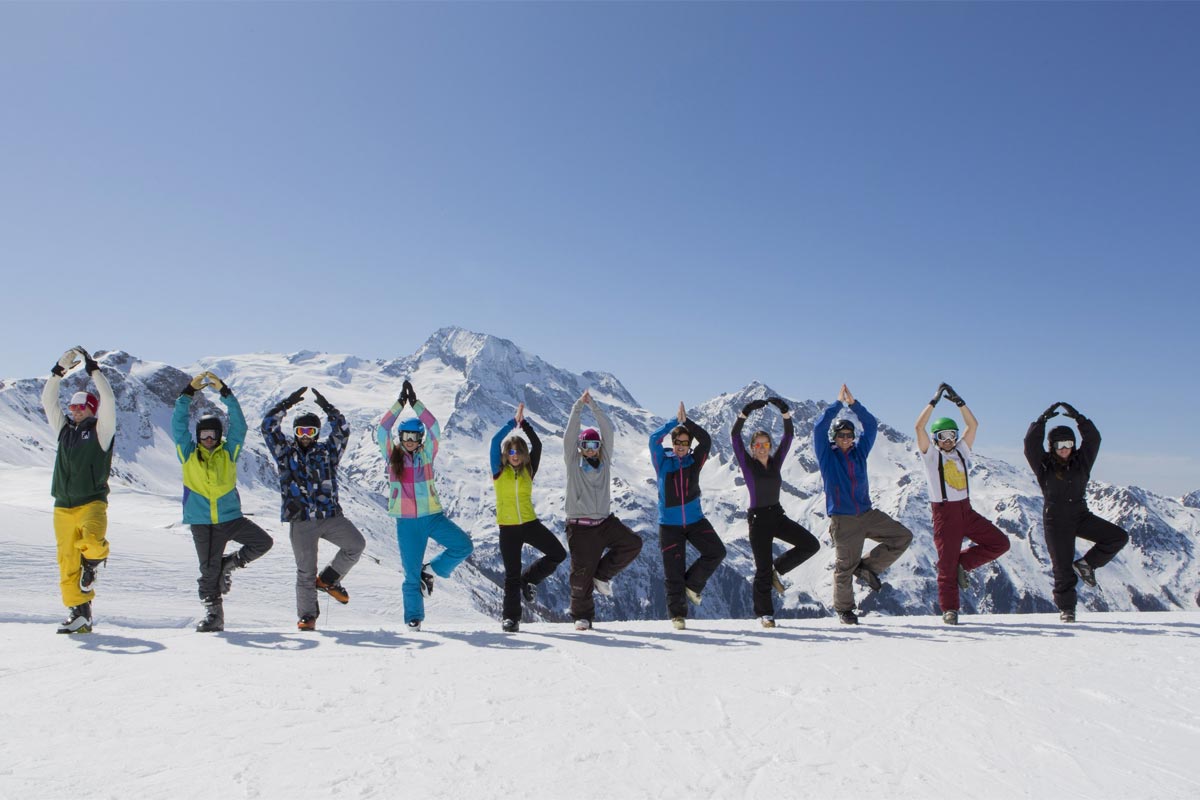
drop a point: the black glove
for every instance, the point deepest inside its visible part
(953, 396)
(1070, 411)
(294, 397)
(938, 394)
(779, 403)
(89, 363)
(408, 394)
(753, 405)
(1048, 413)
(325, 405)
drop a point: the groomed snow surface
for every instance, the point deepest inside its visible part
(1002, 706)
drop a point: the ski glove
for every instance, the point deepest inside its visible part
(1070, 411)
(89, 363)
(938, 394)
(217, 384)
(325, 405)
(199, 382)
(953, 396)
(66, 362)
(753, 405)
(1048, 413)
(408, 394)
(779, 403)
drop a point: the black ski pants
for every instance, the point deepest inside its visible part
(674, 540)
(210, 541)
(766, 525)
(597, 552)
(512, 539)
(1063, 526)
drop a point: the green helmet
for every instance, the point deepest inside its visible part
(943, 424)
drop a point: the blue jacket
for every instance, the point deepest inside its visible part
(847, 490)
(679, 478)
(308, 483)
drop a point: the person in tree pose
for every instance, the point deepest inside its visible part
(680, 518)
(211, 504)
(514, 465)
(762, 472)
(842, 457)
(1063, 472)
(80, 483)
(600, 544)
(308, 484)
(413, 501)
(946, 465)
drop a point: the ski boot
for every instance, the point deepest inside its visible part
(680, 623)
(777, 582)
(964, 580)
(510, 626)
(767, 621)
(692, 596)
(327, 582)
(848, 617)
(87, 574)
(307, 623)
(950, 617)
(529, 592)
(868, 577)
(214, 619)
(426, 581)
(228, 564)
(1085, 572)
(79, 619)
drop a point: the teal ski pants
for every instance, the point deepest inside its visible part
(413, 535)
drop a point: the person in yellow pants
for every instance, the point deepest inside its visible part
(80, 483)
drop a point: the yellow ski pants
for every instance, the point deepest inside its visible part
(79, 532)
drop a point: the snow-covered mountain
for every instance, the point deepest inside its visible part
(472, 383)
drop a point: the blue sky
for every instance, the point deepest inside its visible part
(691, 196)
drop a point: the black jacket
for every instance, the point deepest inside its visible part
(1063, 484)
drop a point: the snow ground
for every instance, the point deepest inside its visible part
(1003, 706)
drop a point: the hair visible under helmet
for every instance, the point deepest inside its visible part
(412, 425)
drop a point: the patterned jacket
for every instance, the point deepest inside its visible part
(411, 494)
(307, 476)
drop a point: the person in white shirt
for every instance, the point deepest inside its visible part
(946, 467)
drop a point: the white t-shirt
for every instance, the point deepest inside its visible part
(954, 466)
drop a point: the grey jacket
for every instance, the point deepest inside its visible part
(589, 491)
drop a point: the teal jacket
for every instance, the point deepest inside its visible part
(210, 494)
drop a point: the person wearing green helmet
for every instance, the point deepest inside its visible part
(946, 466)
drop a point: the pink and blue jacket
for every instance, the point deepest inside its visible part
(411, 495)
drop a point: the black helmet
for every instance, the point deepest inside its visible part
(210, 422)
(1061, 433)
(308, 419)
(842, 424)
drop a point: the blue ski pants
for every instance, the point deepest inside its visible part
(413, 535)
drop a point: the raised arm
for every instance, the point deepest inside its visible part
(972, 426)
(535, 447)
(922, 423)
(656, 451)
(869, 423)
(1089, 436)
(184, 445)
(571, 432)
(703, 442)
(50, 404)
(235, 437)
(735, 439)
(1035, 451)
(430, 446)
(383, 433)
(605, 426)
(820, 434)
(496, 457)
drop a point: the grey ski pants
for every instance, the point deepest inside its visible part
(849, 533)
(305, 535)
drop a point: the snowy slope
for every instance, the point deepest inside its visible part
(473, 381)
(1002, 707)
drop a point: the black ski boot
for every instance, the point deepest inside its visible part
(79, 620)
(510, 626)
(228, 564)
(214, 620)
(426, 581)
(1085, 572)
(848, 617)
(529, 591)
(87, 574)
(868, 577)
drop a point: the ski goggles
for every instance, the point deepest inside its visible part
(208, 436)
(681, 442)
(77, 406)
(309, 431)
(589, 444)
(1064, 445)
(947, 436)
(844, 435)
(411, 436)
(514, 452)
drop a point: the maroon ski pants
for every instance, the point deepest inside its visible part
(954, 521)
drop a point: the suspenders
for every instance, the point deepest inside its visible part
(942, 472)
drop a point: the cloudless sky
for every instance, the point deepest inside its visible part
(690, 196)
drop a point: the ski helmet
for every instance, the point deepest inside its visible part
(210, 422)
(86, 399)
(589, 435)
(943, 424)
(841, 425)
(412, 424)
(1060, 434)
(308, 419)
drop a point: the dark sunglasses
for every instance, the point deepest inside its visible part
(682, 442)
(844, 435)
